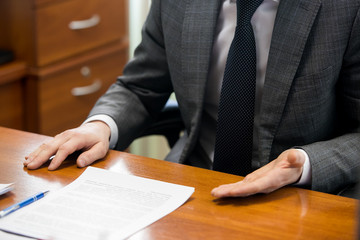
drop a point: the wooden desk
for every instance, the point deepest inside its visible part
(289, 213)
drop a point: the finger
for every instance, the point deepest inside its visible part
(30, 157)
(222, 190)
(41, 155)
(258, 173)
(35, 153)
(64, 150)
(96, 152)
(45, 151)
(239, 189)
(261, 185)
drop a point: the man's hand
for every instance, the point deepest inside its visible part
(284, 170)
(92, 138)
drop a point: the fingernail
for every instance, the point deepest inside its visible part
(51, 168)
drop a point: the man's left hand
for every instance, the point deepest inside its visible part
(284, 170)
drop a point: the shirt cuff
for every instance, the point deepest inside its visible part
(111, 123)
(305, 178)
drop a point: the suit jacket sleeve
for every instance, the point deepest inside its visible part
(143, 89)
(335, 162)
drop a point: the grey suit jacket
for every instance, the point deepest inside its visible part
(311, 94)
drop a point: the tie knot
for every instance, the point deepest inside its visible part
(246, 9)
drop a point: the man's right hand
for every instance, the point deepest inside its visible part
(92, 138)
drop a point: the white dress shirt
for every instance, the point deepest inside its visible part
(263, 24)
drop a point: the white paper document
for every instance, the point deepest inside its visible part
(4, 188)
(100, 204)
(10, 236)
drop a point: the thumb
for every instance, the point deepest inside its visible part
(295, 158)
(94, 153)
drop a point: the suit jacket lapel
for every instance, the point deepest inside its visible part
(197, 39)
(292, 26)
(196, 45)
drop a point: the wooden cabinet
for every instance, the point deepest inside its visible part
(64, 98)
(11, 95)
(74, 50)
(77, 26)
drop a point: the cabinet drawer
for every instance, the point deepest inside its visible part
(59, 108)
(66, 28)
(11, 106)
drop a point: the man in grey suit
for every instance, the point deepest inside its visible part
(307, 111)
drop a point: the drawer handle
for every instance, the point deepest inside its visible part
(84, 24)
(87, 90)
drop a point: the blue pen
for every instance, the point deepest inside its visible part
(22, 204)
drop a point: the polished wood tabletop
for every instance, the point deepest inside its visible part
(289, 213)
